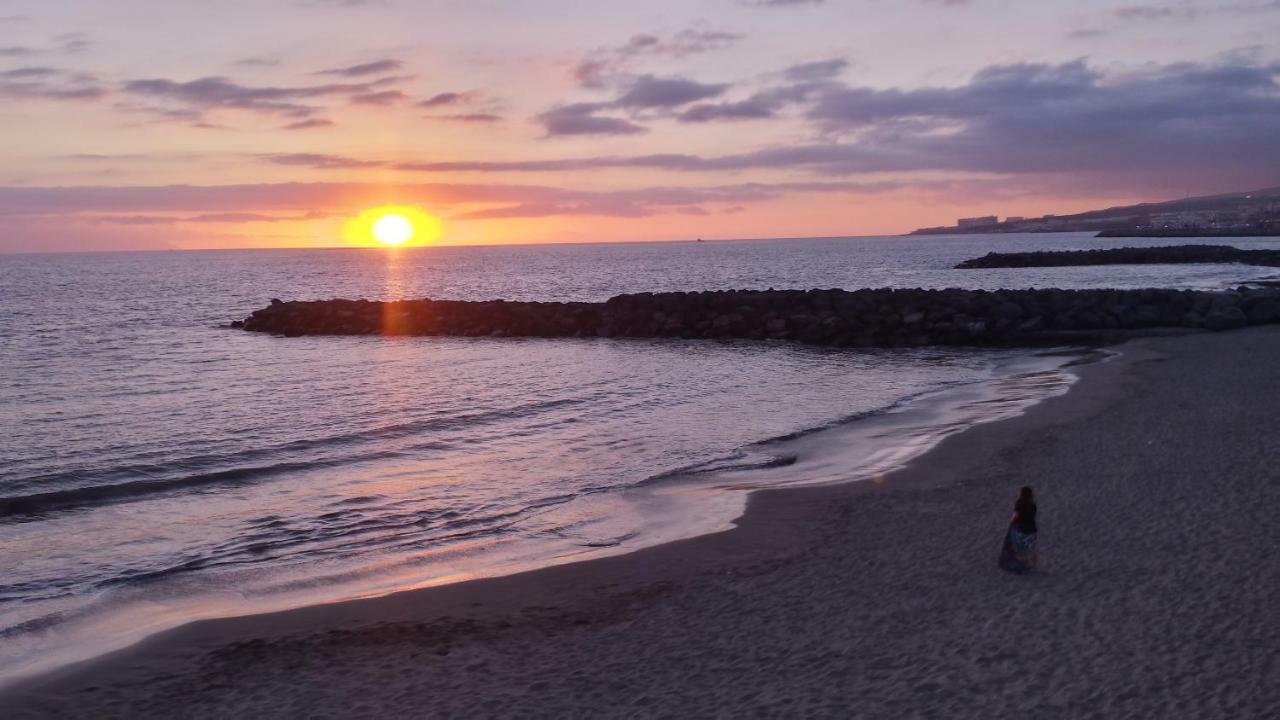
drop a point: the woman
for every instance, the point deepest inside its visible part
(1018, 554)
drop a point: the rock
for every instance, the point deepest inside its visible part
(1227, 319)
(1266, 311)
(841, 318)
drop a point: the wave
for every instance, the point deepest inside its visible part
(139, 481)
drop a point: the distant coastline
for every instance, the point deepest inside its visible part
(1244, 214)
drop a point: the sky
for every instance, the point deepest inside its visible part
(182, 124)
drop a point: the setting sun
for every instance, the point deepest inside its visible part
(394, 226)
(392, 229)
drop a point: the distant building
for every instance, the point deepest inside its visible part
(977, 221)
(1014, 218)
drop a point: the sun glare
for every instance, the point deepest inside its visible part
(392, 229)
(394, 226)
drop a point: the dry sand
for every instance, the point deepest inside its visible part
(1157, 478)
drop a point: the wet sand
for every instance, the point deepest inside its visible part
(1158, 480)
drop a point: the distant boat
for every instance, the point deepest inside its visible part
(701, 240)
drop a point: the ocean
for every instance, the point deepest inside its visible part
(158, 468)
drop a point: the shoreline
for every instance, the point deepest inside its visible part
(682, 504)
(872, 548)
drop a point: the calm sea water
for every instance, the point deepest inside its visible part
(157, 468)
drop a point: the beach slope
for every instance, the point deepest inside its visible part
(1158, 485)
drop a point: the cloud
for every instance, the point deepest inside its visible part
(581, 119)
(318, 160)
(758, 106)
(648, 91)
(644, 93)
(1205, 125)
(240, 203)
(467, 117)
(1187, 11)
(816, 71)
(46, 83)
(380, 98)
(258, 61)
(308, 124)
(1186, 118)
(605, 66)
(377, 67)
(210, 93)
(761, 105)
(27, 73)
(447, 98)
(1155, 12)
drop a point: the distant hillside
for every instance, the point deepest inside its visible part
(1248, 213)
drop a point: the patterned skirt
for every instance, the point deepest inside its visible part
(1018, 553)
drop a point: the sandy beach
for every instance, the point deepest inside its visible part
(1157, 482)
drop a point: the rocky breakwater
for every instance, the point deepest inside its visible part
(1168, 255)
(841, 318)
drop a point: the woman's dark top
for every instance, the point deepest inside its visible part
(1026, 520)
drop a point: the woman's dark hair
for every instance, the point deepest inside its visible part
(1025, 495)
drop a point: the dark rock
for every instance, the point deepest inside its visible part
(839, 318)
(1164, 255)
(1227, 319)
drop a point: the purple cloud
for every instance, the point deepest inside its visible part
(816, 71)
(319, 161)
(308, 124)
(467, 117)
(445, 99)
(211, 93)
(377, 67)
(581, 119)
(380, 98)
(648, 91)
(602, 66)
(508, 200)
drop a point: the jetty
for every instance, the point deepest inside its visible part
(835, 318)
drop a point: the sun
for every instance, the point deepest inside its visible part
(393, 226)
(392, 229)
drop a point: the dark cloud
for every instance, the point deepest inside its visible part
(645, 93)
(308, 124)
(761, 105)
(581, 119)
(17, 51)
(1208, 126)
(1186, 118)
(377, 67)
(816, 71)
(755, 107)
(648, 91)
